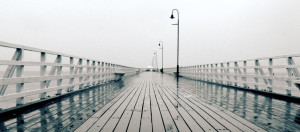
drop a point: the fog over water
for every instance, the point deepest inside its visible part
(128, 32)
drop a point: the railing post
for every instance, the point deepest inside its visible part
(98, 73)
(292, 72)
(217, 74)
(270, 80)
(94, 73)
(20, 70)
(235, 73)
(59, 71)
(80, 73)
(43, 73)
(245, 74)
(201, 72)
(72, 72)
(228, 74)
(88, 71)
(11, 68)
(212, 73)
(102, 72)
(222, 73)
(256, 74)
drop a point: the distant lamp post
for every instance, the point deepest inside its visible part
(172, 17)
(162, 56)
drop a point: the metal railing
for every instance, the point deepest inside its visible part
(64, 74)
(279, 75)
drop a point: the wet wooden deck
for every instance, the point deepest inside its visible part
(152, 102)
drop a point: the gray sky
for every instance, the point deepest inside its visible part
(127, 32)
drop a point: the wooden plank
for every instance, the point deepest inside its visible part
(91, 121)
(169, 123)
(182, 109)
(173, 109)
(124, 121)
(97, 126)
(216, 124)
(111, 124)
(135, 121)
(157, 121)
(230, 119)
(146, 121)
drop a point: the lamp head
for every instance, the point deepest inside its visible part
(172, 17)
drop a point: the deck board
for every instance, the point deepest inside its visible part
(157, 122)
(152, 104)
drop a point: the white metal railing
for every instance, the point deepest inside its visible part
(278, 74)
(17, 84)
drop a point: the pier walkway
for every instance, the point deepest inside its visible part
(152, 101)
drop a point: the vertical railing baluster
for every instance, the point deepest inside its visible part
(20, 70)
(72, 72)
(80, 73)
(94, 72)
(59, 72)
(228, 74)
(11, 69)
(270, 80)
(216, 73)
(256, 74)
(43, 73)
(222, 73)
(245, 74)
(235, 74)
(98, 72)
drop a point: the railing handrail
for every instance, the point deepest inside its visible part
(250, 74)
(80, 75)
(17, 46)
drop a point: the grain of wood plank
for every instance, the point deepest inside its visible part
(157, 122)
(167, 118)
(178, 119)
(114, 119)
(217, 125)
(184, 112)
(124, 121)
(86, 125)
(146, 121)
(111, 110)
(236, 120)
(135, 120)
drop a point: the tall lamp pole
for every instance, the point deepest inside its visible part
(172, 17)
(162, 56)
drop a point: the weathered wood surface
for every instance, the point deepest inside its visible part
(154, 104)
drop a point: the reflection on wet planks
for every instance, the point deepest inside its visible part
(65, 113)
(157, 102)
(270, 113)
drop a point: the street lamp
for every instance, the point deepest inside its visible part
(162, 56)
(172, 17)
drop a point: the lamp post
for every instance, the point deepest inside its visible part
(172, 17)
(162, 56)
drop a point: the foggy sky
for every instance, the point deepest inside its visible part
(127, 32)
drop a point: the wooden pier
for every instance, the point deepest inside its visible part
(153, 102)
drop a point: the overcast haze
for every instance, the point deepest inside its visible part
(127, 32)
